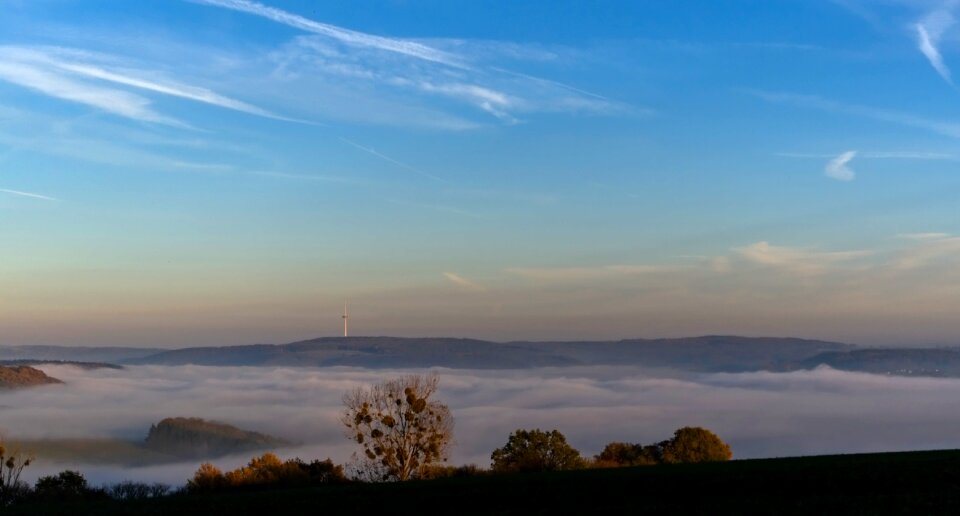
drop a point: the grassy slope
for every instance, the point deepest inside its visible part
(889, 483)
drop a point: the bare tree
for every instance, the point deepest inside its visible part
(11, 466)
(400, 430)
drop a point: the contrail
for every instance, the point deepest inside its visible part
(28, 194)
(347, 36)
(391, 160)
(548, 81)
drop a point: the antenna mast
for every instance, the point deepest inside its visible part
(346, 317)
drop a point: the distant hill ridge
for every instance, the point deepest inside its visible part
(709, 353)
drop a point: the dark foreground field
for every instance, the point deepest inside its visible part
(887, 483)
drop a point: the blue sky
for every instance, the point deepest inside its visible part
(225, 171)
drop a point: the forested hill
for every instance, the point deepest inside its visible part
(191, 437)
(710, 353)
(18, 377)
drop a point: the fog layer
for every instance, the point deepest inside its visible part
(760, 414)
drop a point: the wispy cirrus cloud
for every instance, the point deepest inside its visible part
(928, 248)
(905, 155)
(117, 102)
(838, 168)
(423, 71)
(464, 282)
(596, 272)
(28, 194)
(797, 260)
(55, 64)
(951, 129)
(930, 235)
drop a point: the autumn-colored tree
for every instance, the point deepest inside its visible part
(207, 478)
(267, 470)
(400, 429)
(695, 444)
(536, 450)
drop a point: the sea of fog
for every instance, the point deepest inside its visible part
(760, 414)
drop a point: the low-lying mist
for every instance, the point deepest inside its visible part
(760, 414)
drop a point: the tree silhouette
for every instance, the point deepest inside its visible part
(399, 429)
(536, 450)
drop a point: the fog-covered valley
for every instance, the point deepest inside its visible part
(761, 414)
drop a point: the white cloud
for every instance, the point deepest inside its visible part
(929, 31)
(929, 50)
(838, 168)
(493, 102)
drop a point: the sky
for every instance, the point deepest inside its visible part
(178, 173)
